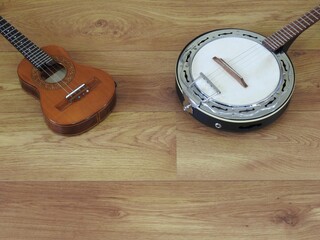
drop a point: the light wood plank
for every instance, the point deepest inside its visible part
(306, 95)
(147, 141)
(126, 25)
(288, 149)
(129, 146)
(160, 210)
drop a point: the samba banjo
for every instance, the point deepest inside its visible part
(234, 79)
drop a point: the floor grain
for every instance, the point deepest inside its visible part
(160, 210)
(151, 171)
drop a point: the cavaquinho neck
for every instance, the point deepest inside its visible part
(282, 39)
(28, 49)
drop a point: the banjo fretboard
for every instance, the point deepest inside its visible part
(290, 32)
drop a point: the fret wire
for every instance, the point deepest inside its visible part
(316, 10)
(16, 37)
(305, 21)
(274, 45)
(280, 36)
(284, 35)
(37, 54)
(277, 38)
(13, 34)
(313, 15)
(27, 43)
(34, 54)
(17, 40)
(24, 42)
(303, 26)
(47, 59)
(43, 56)
(40, 55)
(6, 33)
(31, 52)
(5, 23)
(33, 49)
(297, 26)
(286, 32)
(34, 62)
(286, 27)
(309, 18)
(270, 43)
(273, 41)
(26, 46)
(294, 29)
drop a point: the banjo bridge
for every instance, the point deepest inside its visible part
(230, 71)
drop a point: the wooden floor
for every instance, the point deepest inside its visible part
(150, 170)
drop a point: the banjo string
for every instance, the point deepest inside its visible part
(251, 53)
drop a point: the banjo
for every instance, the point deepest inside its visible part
(234, 79)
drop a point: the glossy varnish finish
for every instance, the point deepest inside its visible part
(151, 171)
(78, 116)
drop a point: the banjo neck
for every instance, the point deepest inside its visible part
(282, 39)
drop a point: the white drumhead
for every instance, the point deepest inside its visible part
(258, 67)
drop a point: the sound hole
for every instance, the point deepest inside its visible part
(60, 71)
(53, 73)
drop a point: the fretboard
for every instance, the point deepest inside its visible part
(291, 31)
(27, 48)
